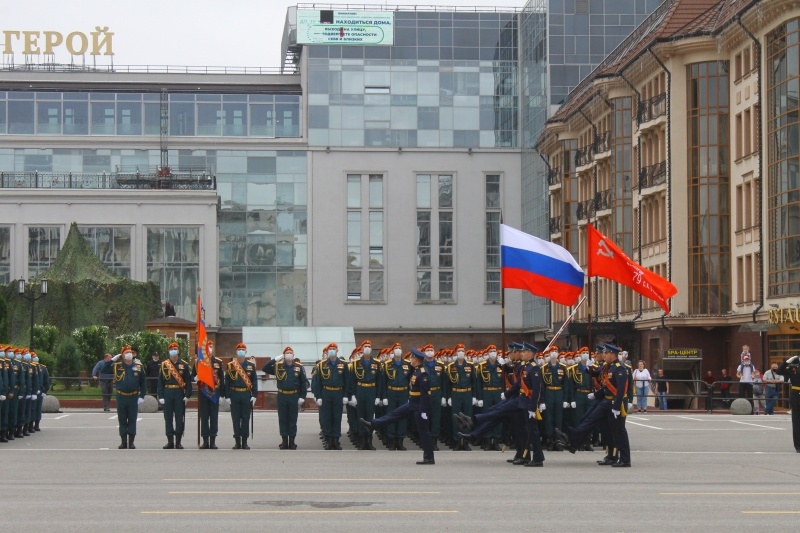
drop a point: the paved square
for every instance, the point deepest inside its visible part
(691, 472)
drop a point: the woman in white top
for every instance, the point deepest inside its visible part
(641, 379)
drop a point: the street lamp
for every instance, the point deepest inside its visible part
(21, 285)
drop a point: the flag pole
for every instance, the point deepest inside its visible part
(502, 298)
(565, 324)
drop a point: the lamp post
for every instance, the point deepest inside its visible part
(32, 297)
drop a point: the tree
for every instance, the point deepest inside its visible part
(4, 338)
(92, 343)
(68, 361)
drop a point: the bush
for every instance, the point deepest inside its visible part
(92, 343)
(4, 338)
(68, 361)
(47, 360)
(45, 337)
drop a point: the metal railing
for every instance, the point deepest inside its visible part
(602, 142)
(188, 179)
(653, 175)
(693, 395)
(588, 208)
(652, 108)
(555, 225)
(584, 156)
(553, 176)
(153, 69)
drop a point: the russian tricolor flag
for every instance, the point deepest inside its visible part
(541, 267)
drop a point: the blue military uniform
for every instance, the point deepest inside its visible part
(789, 369)
(5, 386)
(292, 389)
(396, 376)
(174, 390)
(328, 386)
(491, 378)
(461, 393)
(129, 382)
(554, 376)
(241, 388)
(363, 384)
(208, 400)
(435, 371)
(44, 388)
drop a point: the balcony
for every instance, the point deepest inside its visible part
(651, 109)
(589, 208)
(160, 178)
(553, 177)
(584, 156)
(653, 175)
(555, 225)
(602, 142)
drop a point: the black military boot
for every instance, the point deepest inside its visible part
(368, 441)
(25, 430)
(18, 432)
(170, 445)
(399, 445)
(10, 434)
(124, 445)
(284, 445)
(204, 446)
(292, 445)
(336, 444)
(244, 444)
(495, 445)
(130, 442)
(238, 444)
(213, 443)
(36, 426)
(326, 443)
(3, 436)
(465, 446)
(178, 445)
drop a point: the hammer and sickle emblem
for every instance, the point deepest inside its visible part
(602, 249)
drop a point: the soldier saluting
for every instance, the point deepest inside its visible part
(129, 382)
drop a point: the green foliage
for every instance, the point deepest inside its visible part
(45, 337)
(68, 361)
(4, 338)
(92, 343)
(143, 342)
(46, 359)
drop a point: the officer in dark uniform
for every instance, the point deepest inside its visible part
(617, 382)
(396, 376)
(44, 388)
(625, 361)
(435, 371)
(790, 370)
(241, 389)
(4, 390)
(462, 391)
(363, 387)
(25, 381)
(582, 386)
(13, 396)
(328, 386)
(174, 391)
(129, 382)
(292, 389)
(554, 376)
(490, 379)
(33, 393)
(419, 404)
(208, 399)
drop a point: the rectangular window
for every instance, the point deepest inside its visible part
(173, 262)
(365, 203)
(43, 246)
(748, 204)
(746, 68)
(737, 67)
(492, 205)
(739, 208)
(747, 134)
(5, 255)
(435, 238)
(738, 135)
(112, 246)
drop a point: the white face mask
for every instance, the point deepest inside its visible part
(570, 361)
(428, 353)
(35, 359)
(173, 353)
(331, 353)
(398, 352)
(367, 350)
(210, 350)
(288, 356)
(492, 355)
(128, 356)
(540, 361)
(460, 355)
(241, 353)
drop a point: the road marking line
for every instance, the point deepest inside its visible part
(60, 417)
(309, 511)
(112, 417)
(301, 492)
(293, 479)
(690, 418)
(729, 493)
(644, 425)
(138, 419)
(770, 512)
(757, 425)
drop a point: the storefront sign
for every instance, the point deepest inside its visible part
(35, 42)
(683, 353)
(345, 27)
(789, 315)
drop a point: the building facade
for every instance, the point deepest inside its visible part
(682, 148)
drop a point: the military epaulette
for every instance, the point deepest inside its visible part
(422, 369)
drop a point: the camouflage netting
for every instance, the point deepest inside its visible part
(82, 291)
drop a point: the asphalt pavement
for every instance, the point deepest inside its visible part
(691, 472)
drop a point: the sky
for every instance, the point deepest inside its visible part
(235, 33)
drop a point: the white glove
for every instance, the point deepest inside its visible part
(38, 392)
(140, 401)
(424, 416)
(115, 357)
(542, 407)
(377, 401)
(301, 402)
(319, 402)
(474, 401)
(450, 402)
(136, 360)
(2, 398)
(630, 406)
(252, 400)
(353, 401)
(792, 359)
(44, 395)
(501, 361)
(344, 400)
(29, 397)
(444, 402)
(531, 414)
(573, 405)
(565, 405)
(279, 358)
(480, 403)
(590, 396)
(161, 401)
(502, 395)
(194, 380)
(185, 400)
(616, 413)
(385, 401)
